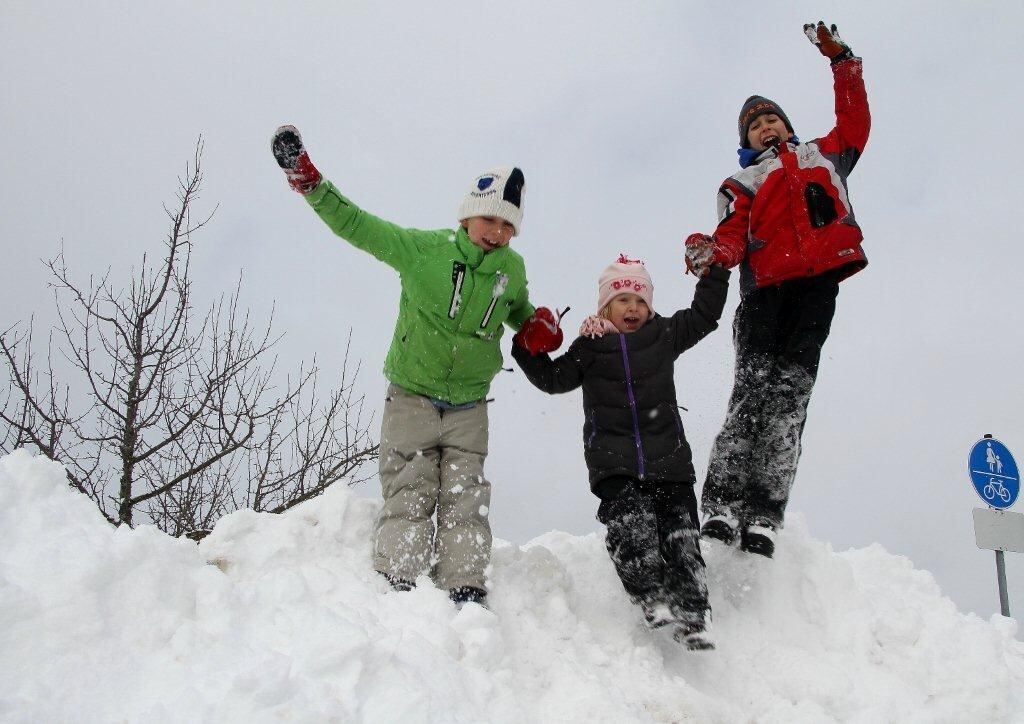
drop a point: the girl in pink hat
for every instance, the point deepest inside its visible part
(636, 451)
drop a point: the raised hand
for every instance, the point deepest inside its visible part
(828, 41)
(286, 145)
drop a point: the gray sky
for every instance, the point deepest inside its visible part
(623, 117)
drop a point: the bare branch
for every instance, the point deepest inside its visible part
(175, 417)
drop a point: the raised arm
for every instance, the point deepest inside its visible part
(846, 141)
(689, 326)
(392, 244)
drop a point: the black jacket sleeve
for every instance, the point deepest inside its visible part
(689, 326)
(552, 376)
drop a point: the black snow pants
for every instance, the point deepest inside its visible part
(778, 333)
(653, 538)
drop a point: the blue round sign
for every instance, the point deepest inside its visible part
(994, 473)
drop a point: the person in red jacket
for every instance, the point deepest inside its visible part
(786, 219)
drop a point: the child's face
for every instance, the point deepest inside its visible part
(767, 130)
(489, 232)
(627, 311)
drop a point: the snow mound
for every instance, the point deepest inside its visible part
(281, 618)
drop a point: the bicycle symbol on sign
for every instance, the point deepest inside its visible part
(995, 488)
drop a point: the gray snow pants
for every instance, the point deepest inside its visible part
(432, 460)
(778, 333)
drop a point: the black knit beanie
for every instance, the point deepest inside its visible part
(758, 106)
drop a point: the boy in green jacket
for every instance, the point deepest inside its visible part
(458, 290)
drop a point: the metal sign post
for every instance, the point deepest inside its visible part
(1004, 598)
(995, 478)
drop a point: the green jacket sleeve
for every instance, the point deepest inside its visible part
(394, 245)
(521, 310)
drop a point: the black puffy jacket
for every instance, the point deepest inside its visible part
(631, 422)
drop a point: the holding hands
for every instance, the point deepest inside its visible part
(828, 41)
(700, 254)
(541, 333)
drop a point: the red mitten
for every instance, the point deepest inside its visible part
(291, 156)
(540, 333)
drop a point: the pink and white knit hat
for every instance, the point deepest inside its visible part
(625, 275)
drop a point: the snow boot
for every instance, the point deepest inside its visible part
(398, 584)
(722, 527)
(292, 157)
(694, 639)
(461, 595)
(656, 615)
(693, 632)
(759, 539)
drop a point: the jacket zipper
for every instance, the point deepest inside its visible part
(632, 407)
(679, 427)
(801, 221)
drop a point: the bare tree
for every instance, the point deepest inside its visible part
(180, 419)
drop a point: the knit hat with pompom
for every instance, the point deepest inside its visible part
(625, 275)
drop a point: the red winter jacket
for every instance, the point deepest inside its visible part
(787, 215)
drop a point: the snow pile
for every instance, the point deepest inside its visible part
(280, 618)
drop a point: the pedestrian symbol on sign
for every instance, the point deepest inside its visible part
(995, 465)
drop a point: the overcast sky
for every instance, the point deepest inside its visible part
(623, 117)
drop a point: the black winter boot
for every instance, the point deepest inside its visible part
(656, 614)
(462, 595)
(693, 632)
(722, 527)
(398, 584)
(758, 538)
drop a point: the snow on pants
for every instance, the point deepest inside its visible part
(431, 461)
(778, 332)
(653, 540)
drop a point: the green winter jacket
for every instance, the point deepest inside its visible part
(455, 299)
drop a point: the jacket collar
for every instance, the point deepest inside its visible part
(750, 156)
(475, 257)
(639, 339)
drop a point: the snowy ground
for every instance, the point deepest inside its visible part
(280, 618)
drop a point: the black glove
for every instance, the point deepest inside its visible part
(828, 41)
(291, 156)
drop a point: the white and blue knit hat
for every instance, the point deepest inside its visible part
(498, 192)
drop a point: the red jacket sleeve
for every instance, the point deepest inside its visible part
(734, 203)
(853, 118)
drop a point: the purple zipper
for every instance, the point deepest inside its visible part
(632, 407)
